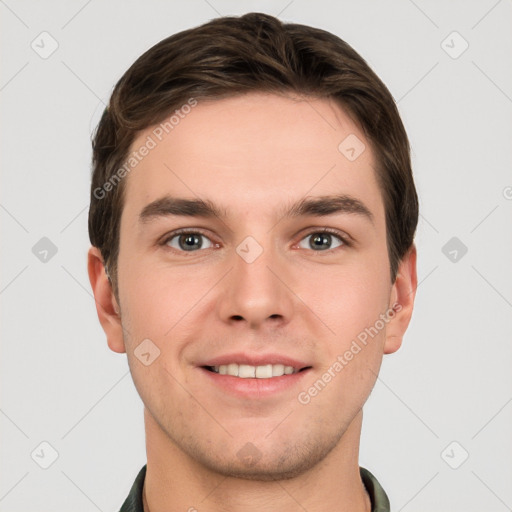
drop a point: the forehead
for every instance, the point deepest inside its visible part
(253, 151)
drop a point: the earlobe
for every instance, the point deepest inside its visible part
(402, 297)
(106, 303)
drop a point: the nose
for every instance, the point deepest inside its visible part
(255, 293)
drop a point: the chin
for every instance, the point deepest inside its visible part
(278, 462)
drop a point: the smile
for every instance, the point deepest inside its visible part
(246, 371)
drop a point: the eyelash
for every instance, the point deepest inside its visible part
(188, 231)
(318, 231)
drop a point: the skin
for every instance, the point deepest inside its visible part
(254, 156)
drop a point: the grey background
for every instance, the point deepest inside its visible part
(451, 380)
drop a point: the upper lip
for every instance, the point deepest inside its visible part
(255, 360)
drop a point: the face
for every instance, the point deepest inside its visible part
(251, 245)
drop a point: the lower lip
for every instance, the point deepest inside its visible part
(252, 387)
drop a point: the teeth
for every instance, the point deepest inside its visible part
(246, 371)
(232, 369)
(277, 370)
(264, 372)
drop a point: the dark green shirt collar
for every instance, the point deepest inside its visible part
(378, 497)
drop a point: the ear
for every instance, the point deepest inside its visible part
(106, 303)
(402, 297)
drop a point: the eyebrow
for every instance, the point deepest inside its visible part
(329, 205)
(178, 206)
(315, 207)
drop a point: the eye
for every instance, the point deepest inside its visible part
(322, 241)
(188, 241)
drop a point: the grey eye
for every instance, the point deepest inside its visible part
(321, 241)
(189, 242)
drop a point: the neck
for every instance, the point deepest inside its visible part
(176, 482)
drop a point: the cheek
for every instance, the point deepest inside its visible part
(155, 305)
(163, 304)
(155, 299)
(348, 298)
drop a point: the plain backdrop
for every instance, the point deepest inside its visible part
(437, 425)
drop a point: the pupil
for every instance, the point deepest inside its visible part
(189, 242)
(321, 241)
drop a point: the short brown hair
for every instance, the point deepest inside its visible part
(252, 53)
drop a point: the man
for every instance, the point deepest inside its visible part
(252, 221)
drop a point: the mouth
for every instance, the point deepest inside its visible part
(254, 376)
(247, 371)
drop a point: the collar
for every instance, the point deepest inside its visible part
(378, 497)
